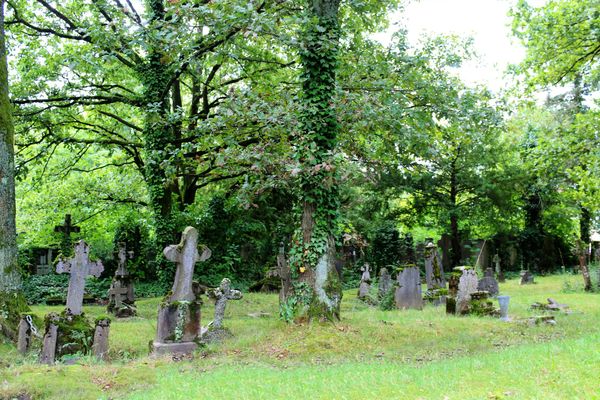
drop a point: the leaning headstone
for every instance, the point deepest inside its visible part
(121, 300)
(79, 267)
(221, 295)
(24, 334)
(365, 282)
(179, 326)
(215, 331)
(100, 346)
(488, 283)
(50, 339)
(385, 283)
(526, 278)
(467, 285)
(408, 290)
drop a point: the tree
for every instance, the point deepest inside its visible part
(11, 301)
(163, 87)
(317, 286)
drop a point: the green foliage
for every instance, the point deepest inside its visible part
(388, 302)
(132, 231)
(37, 289)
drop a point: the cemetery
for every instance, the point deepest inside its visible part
(299, 199)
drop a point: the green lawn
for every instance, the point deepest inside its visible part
(370, 354)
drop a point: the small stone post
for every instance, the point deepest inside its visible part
(24, 338)
(50, 337)
(100, 345)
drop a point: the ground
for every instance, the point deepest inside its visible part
(370, 354)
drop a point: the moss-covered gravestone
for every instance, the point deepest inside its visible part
(467, 285)
(215, 331)
(179, 329)
(434, 275)
(121, 300)
(70, 332)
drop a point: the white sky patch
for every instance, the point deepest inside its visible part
(487, 21)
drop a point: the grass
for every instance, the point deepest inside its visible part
(370, 354)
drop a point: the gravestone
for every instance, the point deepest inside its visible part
(221, 295)
(365, 282)
(467, 285)
(100, 346)
(178, 326)
(80, 267)
(50, 339)
(434, 271)
(499, 272)
(385, 283)
(452, 291)
(526, 278)
(488, 283)
(25, 332)
(408, 290)
(121, 300)
(215, 331)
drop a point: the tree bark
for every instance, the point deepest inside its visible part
(455, 248)
(316, 275)
(9, 275)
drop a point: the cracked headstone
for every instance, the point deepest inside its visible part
(178, 326)
(79, 267)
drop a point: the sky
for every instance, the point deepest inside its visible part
(485, 20)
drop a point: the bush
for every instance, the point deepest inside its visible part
(40, 288)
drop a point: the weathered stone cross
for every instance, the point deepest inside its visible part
(221, 294)
(79, 267)
(186, 255)
(123, 255)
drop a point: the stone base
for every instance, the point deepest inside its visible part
(160, 349)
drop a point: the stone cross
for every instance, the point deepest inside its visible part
(186, 255)
(122, 257)
(66, 230)
(221, 294)
(80, 267)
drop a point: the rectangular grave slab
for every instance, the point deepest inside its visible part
(408, 293)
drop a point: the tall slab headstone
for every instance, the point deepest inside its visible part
(385, 283)
(467, 285)
(408, 290)
(179, 326)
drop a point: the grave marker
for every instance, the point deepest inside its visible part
(79, 267)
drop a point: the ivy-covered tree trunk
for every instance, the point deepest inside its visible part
(317, 286)
(12, 302)
(158, 134)
(584, 240)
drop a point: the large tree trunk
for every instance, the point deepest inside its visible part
(158, 137)
(317, 287)
(455, 247)
(12, 302)
(584, 239)
(9, 275)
